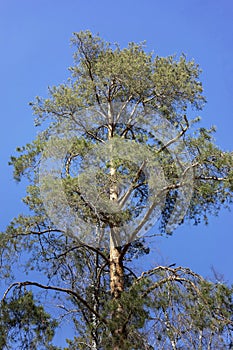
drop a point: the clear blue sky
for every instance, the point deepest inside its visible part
(35, 53)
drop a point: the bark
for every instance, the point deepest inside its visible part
(117, 287)
(116, 281)
(116, 269)
(95, 301)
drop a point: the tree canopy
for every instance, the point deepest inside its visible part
(120, 146)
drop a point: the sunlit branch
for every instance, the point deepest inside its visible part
(124, 105)
(185, 270)
(68, 162)
(168, 279)
(174, 275)
(215, 178)
(130, 118)
(149, 99)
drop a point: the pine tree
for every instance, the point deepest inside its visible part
(118, 151)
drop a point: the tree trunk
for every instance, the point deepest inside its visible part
(117, 287)
(95, 305)
(116, 269)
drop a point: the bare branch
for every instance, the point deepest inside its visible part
(174, 275)
(88, 132)
(180, 134)
(68, 162)
(126, 195)
(123, 107)
(215, 178)
(185, 270)
(55, 288)
(39, 233)
(130, 118)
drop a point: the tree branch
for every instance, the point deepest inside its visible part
(54, 288)
(174, 276)
(181, 133)
(123, 107)
(215, 178)
(126, 195)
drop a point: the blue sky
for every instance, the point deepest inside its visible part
(35, 53)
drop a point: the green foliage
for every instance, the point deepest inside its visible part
(187, 311)
(25, 325)
(27, 159)
(164, 308)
